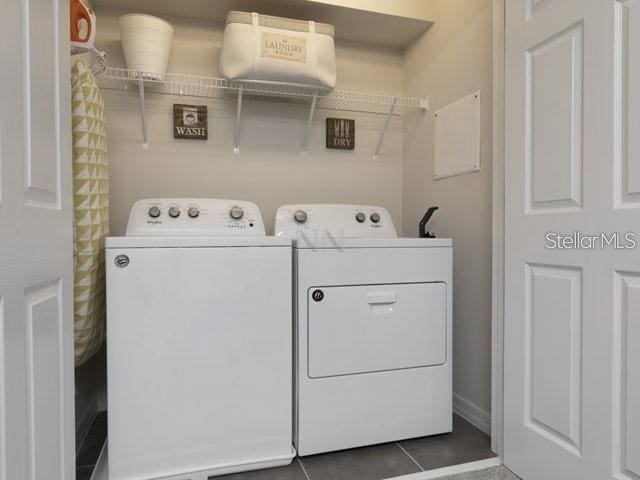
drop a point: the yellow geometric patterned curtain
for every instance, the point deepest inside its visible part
(91, 211)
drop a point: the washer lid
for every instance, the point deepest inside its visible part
(194, 217)
(195, 242)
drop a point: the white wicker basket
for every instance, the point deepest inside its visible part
(266, 49)
(146, 42)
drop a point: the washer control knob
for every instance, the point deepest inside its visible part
(174, 212)
(193, 212)
(300, 216)
(236, 212)
(154, 212)
(375, 217)
(360, 217)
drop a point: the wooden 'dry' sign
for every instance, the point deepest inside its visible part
(341, 133)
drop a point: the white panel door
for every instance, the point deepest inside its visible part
(36, 249)
(572, 308)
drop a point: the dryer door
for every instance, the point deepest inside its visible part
(372, 328)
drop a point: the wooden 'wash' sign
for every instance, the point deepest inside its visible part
(341, 133)
(190, 121)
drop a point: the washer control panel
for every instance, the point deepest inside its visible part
(337, 221)
(194, 217)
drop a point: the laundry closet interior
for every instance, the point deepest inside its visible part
(413, 105)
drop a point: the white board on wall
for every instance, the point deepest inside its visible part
(457, 138)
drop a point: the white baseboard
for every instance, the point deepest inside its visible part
(472, 413)
(82, 426)
(448, 472)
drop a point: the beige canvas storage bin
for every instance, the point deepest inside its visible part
(263, 48)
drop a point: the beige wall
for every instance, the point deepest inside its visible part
(451, 60)
(422, 9)
(269, 169)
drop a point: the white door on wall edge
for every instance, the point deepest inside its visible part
(36, 243)
(572, 308)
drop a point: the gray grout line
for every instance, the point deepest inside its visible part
(412, 459)
(304, 470)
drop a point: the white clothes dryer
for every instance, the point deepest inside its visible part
(372, 359)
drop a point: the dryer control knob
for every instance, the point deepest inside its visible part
(236, 212)
(193, 212)
(300, 216)
(174, 212)
(375, 217)
(360, 217)
(154, 212)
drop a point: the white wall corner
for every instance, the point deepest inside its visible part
(497, 286)
(472, 413)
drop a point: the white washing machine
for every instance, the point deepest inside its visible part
(199, 342)
(372, 328)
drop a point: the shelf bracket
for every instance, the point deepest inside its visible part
(236, 140)
(307, 132)
(376, 154)
(145, 143)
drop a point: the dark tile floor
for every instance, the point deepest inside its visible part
(465, 444)
(91, 446)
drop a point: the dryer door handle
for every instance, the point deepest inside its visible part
(381, 298)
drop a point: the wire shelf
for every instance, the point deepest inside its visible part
(111, 78)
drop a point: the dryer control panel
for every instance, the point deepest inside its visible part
(337, 221)
(194, 217)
